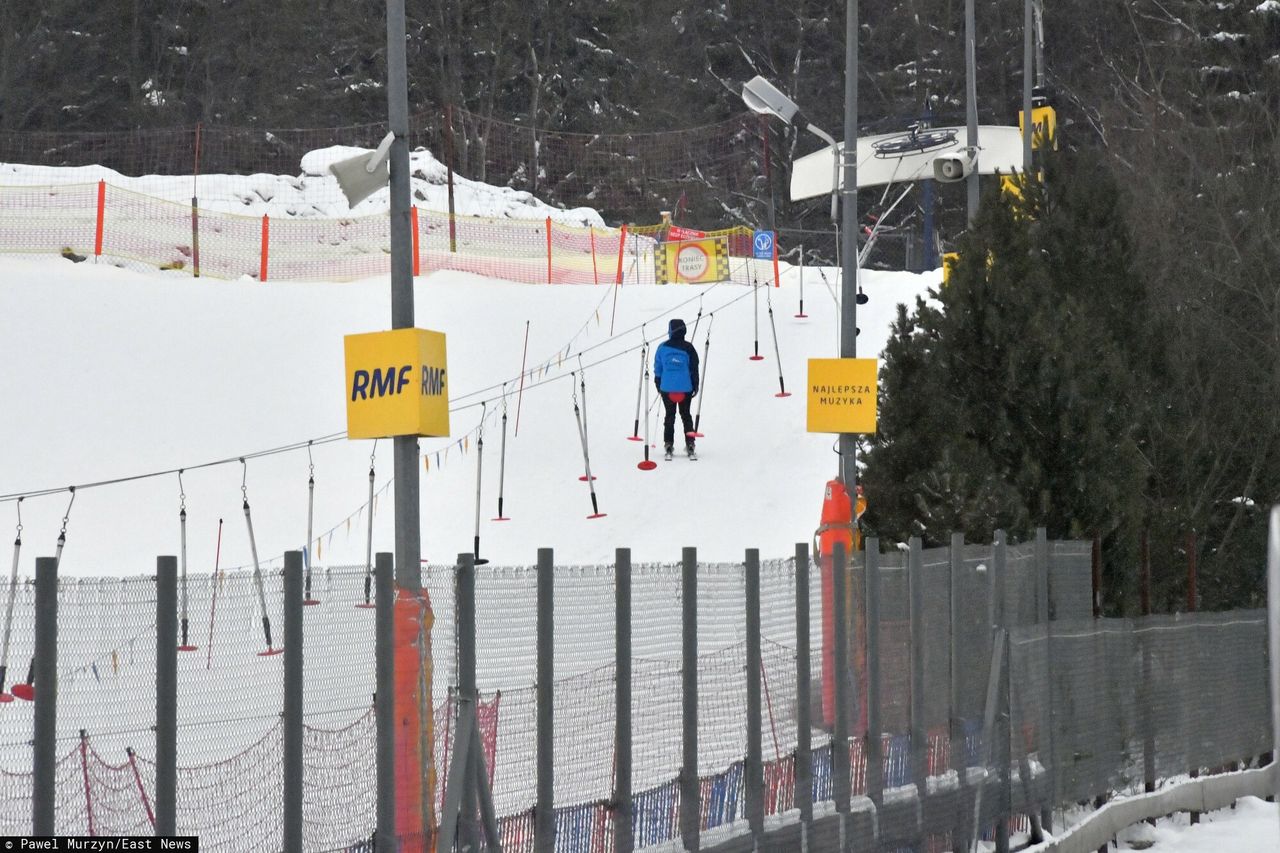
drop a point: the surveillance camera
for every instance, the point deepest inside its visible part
(949, 168)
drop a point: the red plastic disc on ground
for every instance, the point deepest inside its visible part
(25, 692)
(310, 602)
(364, 606)
(583, 478)
(801, 316)
(6, 697)
(187, 648)
(783, 394)
(269, 652)
(634, 438)
(694, 434)
(647, 465)
(755, 358)
(503, 518)
(598, 515)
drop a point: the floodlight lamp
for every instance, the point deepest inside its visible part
(763, 97)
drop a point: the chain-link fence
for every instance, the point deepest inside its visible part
(981, 713)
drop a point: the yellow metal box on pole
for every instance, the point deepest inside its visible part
(397, 384)
(842, 395)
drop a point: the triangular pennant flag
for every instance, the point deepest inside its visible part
(115, 662)
(437, 458)
(348, 525)
(597, 316)
(466, 443)
(96, 677)
(426, 463)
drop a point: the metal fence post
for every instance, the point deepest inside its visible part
(804, 709)
(956, 745)
(690, 804)
(1002, 749)
(871, 595)
(919, 734)
(385, 702)
(293, 768)
(166, 695)
(755, 758)
(468, 698)
(46, 699)
(544, 815)
(1273, 641)
(1041, 562)
(623, 841)
(840, 787)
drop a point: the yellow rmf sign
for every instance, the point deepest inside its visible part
(396, 384)
(842, 395)
(1044, 126)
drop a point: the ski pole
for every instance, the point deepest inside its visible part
(311, 506)
(702, 384)
(523, 358)
(257, 576)
(782, 388)
(583, 380)
(475, 551)
(647, 464)
(8, 615)
(644, 362)
(586, 458)
(502, 460)
(802, 315)
(213, 601)
(182, 525)
(755, 300)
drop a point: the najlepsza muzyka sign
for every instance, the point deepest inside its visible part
(397, 384)
(842, 395)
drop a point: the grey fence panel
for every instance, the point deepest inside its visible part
(937, 637)
(1071, 579)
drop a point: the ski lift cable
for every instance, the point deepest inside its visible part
(37, 493)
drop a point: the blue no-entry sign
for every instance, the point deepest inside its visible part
(762, 243)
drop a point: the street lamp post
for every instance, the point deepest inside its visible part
(762, 96)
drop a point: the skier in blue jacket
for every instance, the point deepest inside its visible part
(675, 370)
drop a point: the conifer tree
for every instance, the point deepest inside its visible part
(1020, 399)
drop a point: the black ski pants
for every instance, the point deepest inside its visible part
(669, 422)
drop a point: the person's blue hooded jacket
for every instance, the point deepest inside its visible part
(675, 362)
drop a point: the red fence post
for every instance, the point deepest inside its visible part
(595, 273)
(548, 250)
(622, 243)
(102, 208)
(266, 242)
(776, 283)
(417, 257)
